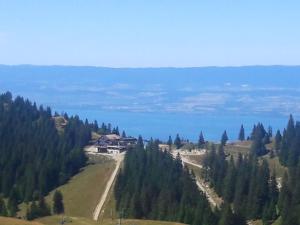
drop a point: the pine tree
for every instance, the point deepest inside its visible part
(58, 205)
(242, 133)
(177, 142)
(12, 205)
(3, 210)
(229, 181)
(224, 138)
(170, 142)
(258, 140)
(290, 130)
(227, 217)
(278, 139)
(44, 209)
(201, 141)
(32, 213)
(270, 131)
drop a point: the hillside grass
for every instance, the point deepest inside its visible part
(55, 220)
(244, 148)
(14, 221)
(82, 193)
(235, 148)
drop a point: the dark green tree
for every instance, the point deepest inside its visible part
(3, 210)
(177, 142)
(224, 138)
(278, 139)
(12, 204)
(170, 142)
(201, 141)
(242, 133)
(58, 205)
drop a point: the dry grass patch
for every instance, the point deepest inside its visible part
(13, 221)
(54, 220)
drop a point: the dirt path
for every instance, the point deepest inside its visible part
(214, 201)
(205, 191)
(185, 160)
(119, 158)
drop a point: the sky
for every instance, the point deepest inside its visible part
(153, 33)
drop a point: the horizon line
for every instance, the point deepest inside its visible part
(149, 67)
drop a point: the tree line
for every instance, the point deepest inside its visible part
(153, 185)
(34, 157)
(246, 183)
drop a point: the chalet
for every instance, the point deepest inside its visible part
(114, 144)
(164, 147)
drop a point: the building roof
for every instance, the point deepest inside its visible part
(112, 137)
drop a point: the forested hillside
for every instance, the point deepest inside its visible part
(34, 157)
(247, 184)
(289, 152)
(153, 185)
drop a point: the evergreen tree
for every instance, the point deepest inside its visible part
(12, 205)
(170, 142)
(229, 181)
(44, 209)
(153, 185)
(259, 140)
(224, 138)
(201, 141)
(227, 217)
(3, 210)
(58, 205)
(34, 155)
(177, 142)
(278, 139)
(270, 131)
(33, 212)
(242, 133)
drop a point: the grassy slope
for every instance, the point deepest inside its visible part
(13, 221)
(81, 198)
(82, 193)
(54, 220)
(84, 190)
(244, 148)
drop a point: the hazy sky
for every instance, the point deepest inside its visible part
(153, 33)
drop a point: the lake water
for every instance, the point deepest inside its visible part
(164, 101)
(188, 125)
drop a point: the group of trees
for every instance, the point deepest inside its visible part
(152, 185)
(179, 142)
(259, 138)
(41, 208)
(247, 185)
(244, 183)
(287, 146)
(104, 128)
(34, 157)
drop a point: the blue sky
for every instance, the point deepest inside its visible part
(153, 33)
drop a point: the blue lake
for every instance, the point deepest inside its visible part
(164, 101)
